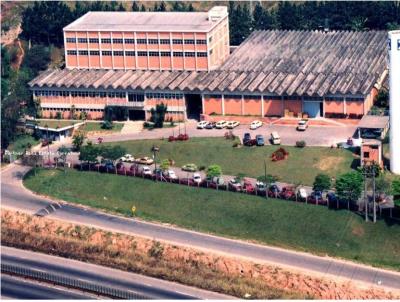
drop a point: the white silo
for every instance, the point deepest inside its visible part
(394, 92)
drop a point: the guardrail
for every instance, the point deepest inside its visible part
(71, 282)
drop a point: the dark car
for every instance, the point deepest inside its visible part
(260, 140)
(246, 137)
(332, 199)
(316, 197)
(210, 125)
(273, 191)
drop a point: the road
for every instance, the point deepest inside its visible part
(16, 197)
(149, 287)
(18, 288)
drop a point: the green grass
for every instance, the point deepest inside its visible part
(22, 142)
(280, 223)
(57, 123)
(92, 126)
(301, 167)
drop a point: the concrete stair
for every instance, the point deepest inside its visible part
(132, 127)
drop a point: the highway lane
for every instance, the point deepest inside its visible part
(14, 196)
(18, 288)
(145, 286)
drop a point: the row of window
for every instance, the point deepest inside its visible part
(164, 95)
(92, 94)
(128, 53)
(138, 41)
(69, 109)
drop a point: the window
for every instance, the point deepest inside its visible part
(83, 52)
(202, 54)
(94, 53)
(93, 40)
(135, 97)
(272, 97)
(366, 154)
(142, 53)
(117, 41)
(106, 41)
(82, 40)
(398, 44)
(119, 53)
(71, 52)
(153, 53)
(201, 41)
(71, 40)
(177, 41)
(178, 54)
(141, 41)
(355, 99)
(130, 53)
(106, 53)
(153, 41)
(336, 98)
(165, 54)
(129, 41)
(164, 41)
(189, 54)
(189, 41)
(102, 94)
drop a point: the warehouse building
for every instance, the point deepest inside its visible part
(272, 73)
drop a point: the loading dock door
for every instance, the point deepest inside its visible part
(312, 108)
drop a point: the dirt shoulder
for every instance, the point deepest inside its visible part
(220, 273)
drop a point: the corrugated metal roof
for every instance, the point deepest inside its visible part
(307, 63)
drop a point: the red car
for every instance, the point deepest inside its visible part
(287, 193)
(248, 186)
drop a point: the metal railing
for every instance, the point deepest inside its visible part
(71, 282)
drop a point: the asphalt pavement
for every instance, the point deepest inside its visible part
(16, 197)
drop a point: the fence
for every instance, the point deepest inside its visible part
(71, 282)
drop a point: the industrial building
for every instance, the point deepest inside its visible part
(274, 73)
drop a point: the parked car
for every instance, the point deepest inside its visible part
(302, 193)
(46, 142)
(210, 125)
(232, 124)
(246, 137)
(274, 191)
(255, 124)
(260, 186)
(302, 125)
(260, 140)
(248, 187)
(197, 178)
(316, 197)
(332, 199)
(287, 193)
(202, 124)
(144, 160)
(171, 174)
(146, 171)
(221, 124)
(234, 185)
(128, 158)
(275, 139)
(189, 168)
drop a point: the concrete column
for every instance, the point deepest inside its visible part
(344, 106)
(242, 104)
(136, 55)
(112, 51)
(223, 104)
(262, 105)
(123, 47)
(100, 54)
(88, 48)
(202, 103)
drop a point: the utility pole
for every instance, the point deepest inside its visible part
(365, 193)
(265, 178)
(373, 192)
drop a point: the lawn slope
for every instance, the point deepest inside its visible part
(281, 223)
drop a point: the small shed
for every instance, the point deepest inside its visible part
(373, 126)
(371, 152)
(57, 134)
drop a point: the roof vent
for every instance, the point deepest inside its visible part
(217, 12)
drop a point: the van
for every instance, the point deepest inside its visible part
(275, 138)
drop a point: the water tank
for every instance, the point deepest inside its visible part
(394, 92)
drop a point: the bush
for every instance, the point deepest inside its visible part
(279, 154)
(214, 171)
(108, 125)
(322, 182)
(156, 250)
(202, 168)
(300, 144)
(58, 115)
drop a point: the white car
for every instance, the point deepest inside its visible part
(202, 124)
(221, 124)
(255, 125)
(171, 174)
(146, 170)
(128, 158)
(302, 125)
(232, 124)
(302, 193)
(197, 178)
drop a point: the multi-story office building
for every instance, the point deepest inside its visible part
(148, 40)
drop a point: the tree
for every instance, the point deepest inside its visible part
(37, 59)
(78, 139)
(89, 153)
(214, 171)
(121, 8)
(396, 191)
(135, 7)
(142, 8)
(382, 99)
(165, 164)
(349, 186)
(158, 115)
(112, 153)
(64, 151)
(322, 183)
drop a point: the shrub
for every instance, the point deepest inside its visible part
(279, 154)
(58, 115)
(107, 125)
(156, 250)
(214, 171)
(322, 182)
(202, 168)
(300, 144)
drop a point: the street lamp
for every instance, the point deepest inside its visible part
(48, 144)
(155, 149)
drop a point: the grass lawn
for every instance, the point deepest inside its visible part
(22, 142)
(57, 123)
(96, 126)
(301, 167)
(281, 223)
